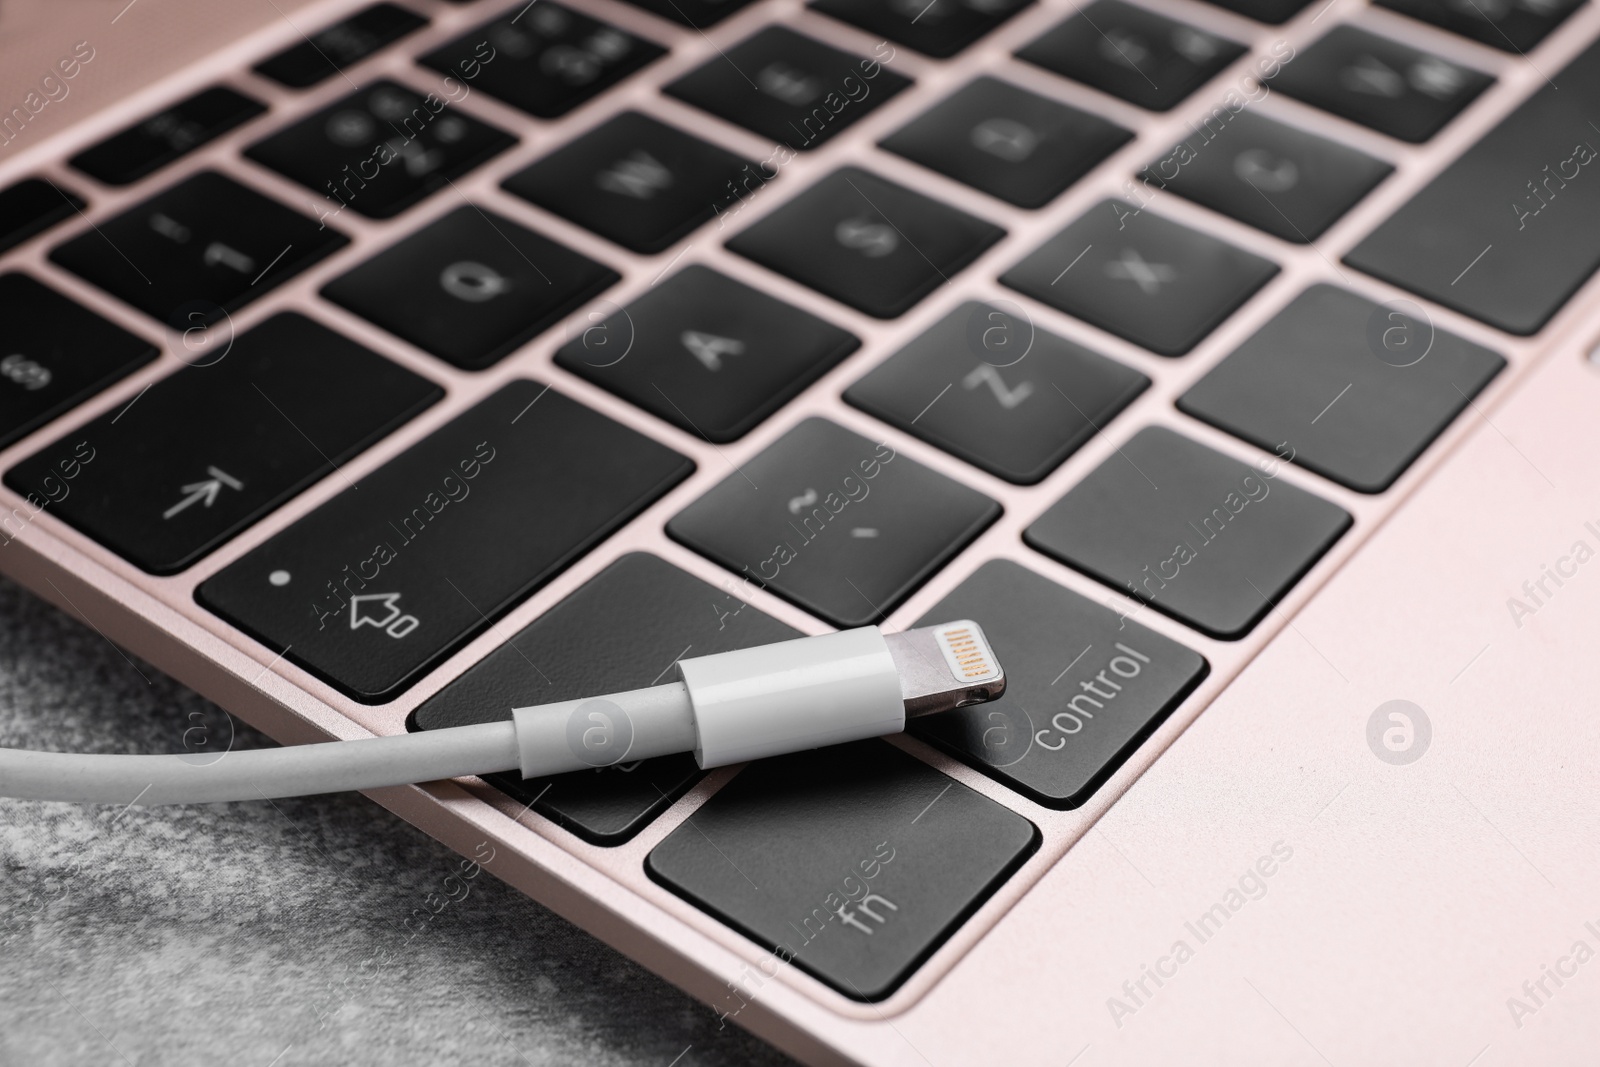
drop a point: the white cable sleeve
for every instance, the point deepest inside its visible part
(257, 774)
(600, 731)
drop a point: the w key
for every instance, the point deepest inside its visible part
(202, 454)
(385, 580)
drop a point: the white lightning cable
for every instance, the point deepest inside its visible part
(726, 708)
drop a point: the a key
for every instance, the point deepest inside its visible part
(167, 136)
(1198, 535)
(1008, 142)
(207, 451)
(1140, 276)
(1393, 88)
(32, 206)
(638, 182)
(1357, 389)
(1084, 686)
(987, 385)
(841, 526)
(57, 354)
(1290, 183)
(190, 254)
(625, 629)
(698, 14)
(939, 28)
(1506, 233)
(852, 863)
(471, 287)
(707, 353)
(1275, 12)
(543, 58)
(380, 584)
(867, 242)
(790, 89)
(341, 45)
(1509, 25)
(380, 150)
(1131, 53)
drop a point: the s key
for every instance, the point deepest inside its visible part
(382, 582)
(207, 451)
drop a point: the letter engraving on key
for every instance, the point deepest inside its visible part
(709, 349)
(1373, 76)
(1005, 139)
(1147, 276)
(985, 374)
(24, 372)
(169, 228)
(1120, 46)
(872, 239)
(786, 83)
(640, 176)
(803, 501)
(204, 492)
(217, 252)
(473, 282)
(1265, 171)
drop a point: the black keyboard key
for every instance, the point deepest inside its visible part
(57, 354)
(789, 88)
(380, 150)
(852, 863)
(1008, 142)
(544, 58)
(636, 181)
(384, 581)
(1290, 183)
(207, 451)
(341, 45)
(166, 136)
(938, 28)
(1389, 86)
(1507, 233)
(1198, 535)
(707, 353)
(989, 386)
(1131, 53)
(698, 14)
(1357, 390)
(1084, 686)
(1140, 276)
(192, 253)
(470, 287)
(843, 527)
(623, 630)
(1509, 25)
(867, 242)
(32, 206)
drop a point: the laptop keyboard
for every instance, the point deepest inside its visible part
(402, 566)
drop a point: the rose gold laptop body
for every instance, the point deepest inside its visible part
(1408, 905)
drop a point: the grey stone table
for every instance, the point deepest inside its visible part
(273, 934)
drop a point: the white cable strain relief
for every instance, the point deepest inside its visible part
(793, 695)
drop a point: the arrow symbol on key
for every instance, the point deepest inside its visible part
(362, 615)
(205, 491)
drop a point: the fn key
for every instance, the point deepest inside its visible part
(385, 580)
(852, 863)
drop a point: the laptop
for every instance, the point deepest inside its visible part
(374, 367)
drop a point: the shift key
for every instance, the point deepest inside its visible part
(382, 582)
(1511, 229)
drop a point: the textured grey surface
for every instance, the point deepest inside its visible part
(275, 934)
